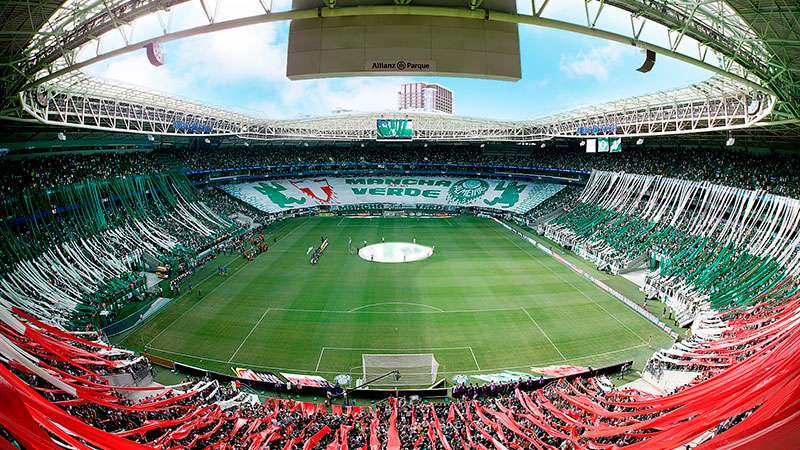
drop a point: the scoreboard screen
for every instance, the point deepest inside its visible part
(394, 129)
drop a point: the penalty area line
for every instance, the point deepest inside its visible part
(543, 333)
(321, 351)
(245, 264)
(248, 335)
(202, 299)
(474, 358)
(571, 284)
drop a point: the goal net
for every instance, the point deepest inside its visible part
(415, 369)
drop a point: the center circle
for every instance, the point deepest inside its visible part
(395, 252)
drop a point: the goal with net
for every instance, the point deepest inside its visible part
(418, 369)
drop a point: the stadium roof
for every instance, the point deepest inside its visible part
(777, 23)
(755, 44)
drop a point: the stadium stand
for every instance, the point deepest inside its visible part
(776, 173)
(733, 279)
(70, 262)
(113, 195)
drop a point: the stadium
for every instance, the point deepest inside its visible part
(492, 266)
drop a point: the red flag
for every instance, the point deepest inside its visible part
(343, 436)
(442, 437)
(451, 413)
(313, 440)
(393, 439)
(374, 443)
(334, 444)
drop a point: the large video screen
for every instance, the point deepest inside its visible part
(395, 129)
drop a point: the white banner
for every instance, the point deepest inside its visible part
(282, 195)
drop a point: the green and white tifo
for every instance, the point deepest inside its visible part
(485, 302)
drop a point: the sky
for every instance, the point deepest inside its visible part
(244, 69)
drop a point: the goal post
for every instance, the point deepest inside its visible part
(417, 369)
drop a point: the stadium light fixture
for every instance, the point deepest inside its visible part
(207, 140)
(150, 138)
(246, 144)
(640, 141)
(583, 143)
(61, 136)
(483, 145)
(731, 140)
(544, 145)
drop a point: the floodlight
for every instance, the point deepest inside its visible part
(150, 138)
(640, 141)
(544, 145)
(207, 140)
(731, 140)
(583, 143)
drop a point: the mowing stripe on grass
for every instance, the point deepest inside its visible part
(569, 283)
(545, 334)
(248, 335)
(209, 294)
(470, 296)
(357, 311)
(195, 305)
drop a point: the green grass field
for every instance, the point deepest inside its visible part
(486, 301)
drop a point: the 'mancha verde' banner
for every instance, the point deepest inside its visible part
(502, 194)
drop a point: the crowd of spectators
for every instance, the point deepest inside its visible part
(549, 416)
(46, 172)
(231, 206)
(561, 201)
(772, 172)
(520, 415)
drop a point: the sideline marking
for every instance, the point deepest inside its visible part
(194, 306)
(396, 303)
(570, 283)
(209, 294)
(545, 334)
(136, 327)
(248, 335)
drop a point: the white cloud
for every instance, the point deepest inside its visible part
(319, 97)
(593, 63)
(135, 69)
(255, 53)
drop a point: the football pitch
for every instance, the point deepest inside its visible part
(485, 302)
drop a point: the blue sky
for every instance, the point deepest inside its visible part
(244, 69)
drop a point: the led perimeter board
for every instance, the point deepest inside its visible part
(394, 129)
